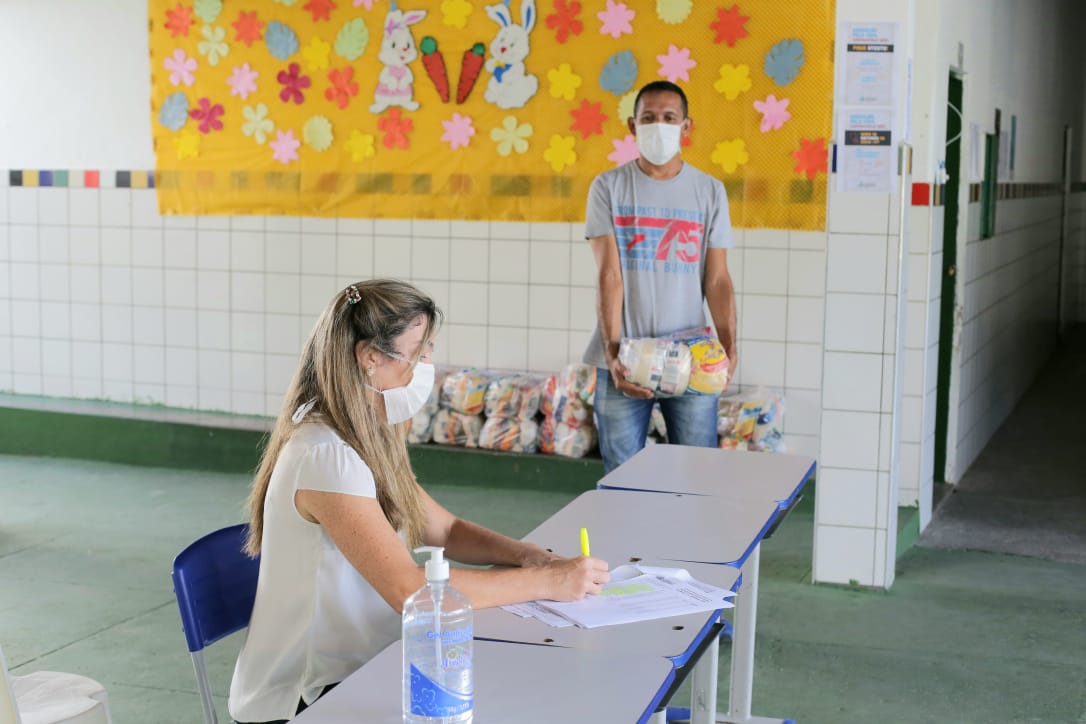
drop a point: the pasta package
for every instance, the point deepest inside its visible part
(686, 363)
(510, 434)
(455, 428)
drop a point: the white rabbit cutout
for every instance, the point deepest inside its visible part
(395, 84)
(511, 85)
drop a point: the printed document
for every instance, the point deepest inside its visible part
(638, 593)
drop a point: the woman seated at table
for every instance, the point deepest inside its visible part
(335, 509)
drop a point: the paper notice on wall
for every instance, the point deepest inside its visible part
(865, 151)
(866, 108)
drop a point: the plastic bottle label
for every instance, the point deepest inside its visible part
(431, 699)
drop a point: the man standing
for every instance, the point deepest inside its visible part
(660, 232)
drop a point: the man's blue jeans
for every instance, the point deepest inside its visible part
(624, 421)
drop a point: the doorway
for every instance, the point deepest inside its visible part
(954, 127)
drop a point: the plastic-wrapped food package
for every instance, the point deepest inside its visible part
(455, 428)
(465, 391)
(546, 403)
(692, 362)
(516, 396)
(572, 411)
(657, 425)
(421, 424)
(510, 434)
(574, 442)
(751, 421)
(546, 435)
(578, 380)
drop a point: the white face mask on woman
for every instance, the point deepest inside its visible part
(658, 142)
(403, 403)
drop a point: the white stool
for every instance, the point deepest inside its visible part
(51, 697)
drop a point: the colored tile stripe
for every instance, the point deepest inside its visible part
(81, 179)
(927, 194)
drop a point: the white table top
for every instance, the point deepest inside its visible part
(729, 474)
(623, 524)
(514, 684)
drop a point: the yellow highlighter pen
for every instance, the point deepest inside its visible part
(584, 542)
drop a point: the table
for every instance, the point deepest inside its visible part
(737, 477)
(514, 684)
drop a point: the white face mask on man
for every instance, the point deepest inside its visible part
(658, 142)
(403, 403)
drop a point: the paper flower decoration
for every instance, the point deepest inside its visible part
(810, 157)
(247, 29)
(458, 131)
(315, 55)
(511, 136)
(317, 133)
(564, 21)
(673, 12)
(619, 73)
(455, 13)
(733, 80)
(676, 63)
(560, 153)
(179, 20)
(208, 10)
(257, 124)
(293, 83)
(396, 129)
(730, 155)
(352, 39)
(213, 45)
(774, 112)
(784, 61)
(625, 150)
(564, 82)
(285, 147)
(729, 25)
(187, 144)
(320, 9)
(208, 115)
(588, 119)
(174, 112)
(281, 40)
(615, 20)
(243, 81)
(360, 146)
(343, 86)
(181, 68)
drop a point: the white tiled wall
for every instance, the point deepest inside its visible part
(1074, 280)
(100, 297)
(1009, 308)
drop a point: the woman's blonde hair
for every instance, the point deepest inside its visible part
(375, 312)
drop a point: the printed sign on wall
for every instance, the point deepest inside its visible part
(480, 110)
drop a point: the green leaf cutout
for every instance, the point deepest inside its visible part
(352, 39)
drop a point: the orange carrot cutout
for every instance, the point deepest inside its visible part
(434, 62)
(470, 68)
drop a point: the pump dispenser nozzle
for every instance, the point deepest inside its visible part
(437, 568)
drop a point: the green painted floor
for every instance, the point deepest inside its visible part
(963, 637)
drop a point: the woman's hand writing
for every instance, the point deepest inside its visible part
(571, 579)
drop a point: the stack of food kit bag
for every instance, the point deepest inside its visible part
(459, 418)
(422, 424)
(692, 362)
(511, 405)
(752, 420)
(568, 428)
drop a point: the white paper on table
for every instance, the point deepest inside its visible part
(641, 593)
(532, 609)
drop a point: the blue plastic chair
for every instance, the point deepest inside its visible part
(215, 584)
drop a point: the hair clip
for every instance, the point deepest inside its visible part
(353, 295)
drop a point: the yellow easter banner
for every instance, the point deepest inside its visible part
(480, 110)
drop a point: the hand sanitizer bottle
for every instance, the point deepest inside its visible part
(437, 649)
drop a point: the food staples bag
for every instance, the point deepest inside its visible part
(692, 362)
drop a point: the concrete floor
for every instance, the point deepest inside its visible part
(964, 636)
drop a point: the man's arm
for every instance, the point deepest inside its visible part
(609, 300)
(720, 296)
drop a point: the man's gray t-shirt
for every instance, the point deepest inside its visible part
(663, 230)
